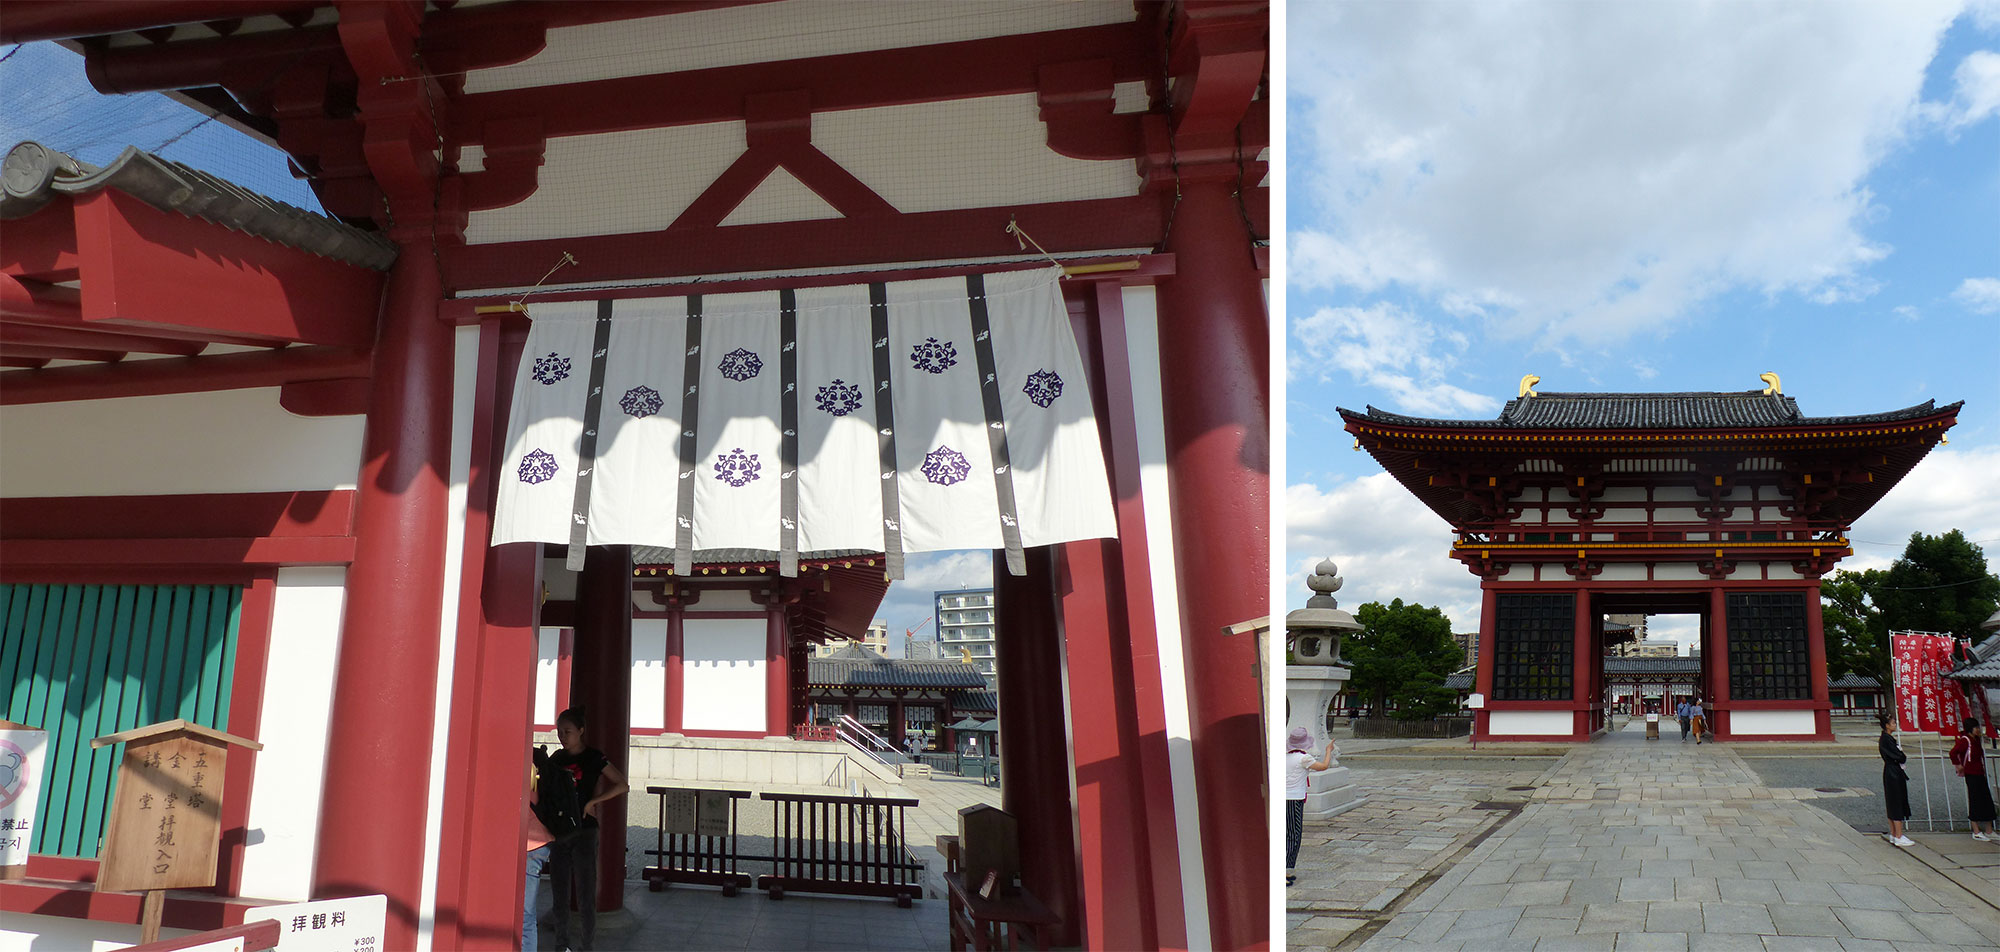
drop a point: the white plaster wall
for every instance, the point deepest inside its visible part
(1557, 513)
(545, 675)
(722, 674)
(1677, 572)
(1624, 515)
(22, 932)
(1771, 722)
(1142, 331)
(230, 441)
(1623, 572)
(1531, 723)
(1782, 570)
(1624, 494)
(728, 600)
(649, 672)
(1675, 515)
(1676, 494)
(298, 704)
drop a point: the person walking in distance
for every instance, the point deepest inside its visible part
(1686, 713)
(1299, 764)
(573, 859)
(1970, 759)
(1698, 719)
(1895, 783)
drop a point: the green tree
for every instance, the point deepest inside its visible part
(1940, 584)
(1403, 655)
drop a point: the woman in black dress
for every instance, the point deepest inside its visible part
(1895, 784)
(1970, 759)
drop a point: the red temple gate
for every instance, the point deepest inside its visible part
(1727, 506)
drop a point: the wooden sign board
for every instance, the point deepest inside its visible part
(166, 817)
(677, 811)
(22, 757)
(712, 818)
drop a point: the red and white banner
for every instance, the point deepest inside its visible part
(1926, 701)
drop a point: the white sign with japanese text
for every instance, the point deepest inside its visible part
(329, 925)
(22, 756)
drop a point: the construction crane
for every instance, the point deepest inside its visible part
(910, 633)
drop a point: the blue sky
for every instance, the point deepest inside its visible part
(45, 97)
(1634, 197)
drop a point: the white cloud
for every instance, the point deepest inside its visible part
(1387, 544)
(1387, 347)
(1949, 490)
(1597, 167)
(1906, 312)
(1976, 92)
(1979, 295)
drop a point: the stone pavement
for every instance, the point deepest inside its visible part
(1630, 844)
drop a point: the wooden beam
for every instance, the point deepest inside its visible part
(1061, 227)
(12, 334)
(145, 270)
(182, 375)
(964, 70)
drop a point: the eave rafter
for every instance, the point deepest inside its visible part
(1829, 475)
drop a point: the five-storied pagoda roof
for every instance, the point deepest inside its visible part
(1844, 463)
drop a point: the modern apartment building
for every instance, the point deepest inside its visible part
(877, 640)
(965, 629)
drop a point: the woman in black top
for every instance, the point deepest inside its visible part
(1895, 783)
(573, 859)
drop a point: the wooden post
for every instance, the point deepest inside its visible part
(149, 915)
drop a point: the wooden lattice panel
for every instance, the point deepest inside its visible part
(1768, 654)
(1534, 647)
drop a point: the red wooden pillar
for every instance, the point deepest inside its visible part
(1580, 666)
(603, 684)
(896, 723)
(1482, 679)
(777, 675)
(1717, 666)
(379, 756)
(676, 677)
(480, 872)
(1816, 666)
(1034, 778)
(1214, 329)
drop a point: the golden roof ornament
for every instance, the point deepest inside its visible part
(1528, 386)
(1771, 381)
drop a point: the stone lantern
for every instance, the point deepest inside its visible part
(1315, 674)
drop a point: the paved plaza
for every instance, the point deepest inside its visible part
(1619, 844)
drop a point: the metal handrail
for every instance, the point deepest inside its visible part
(867, 741)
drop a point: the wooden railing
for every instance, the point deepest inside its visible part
(829, 844)
(842, 845)
(694, 858)
(821, 733)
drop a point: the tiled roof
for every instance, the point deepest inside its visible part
(857, 666)
(975, 701)
(1748, 409)
(1852, 682)
(1652, 666)
(35, 174)
(1459, 681)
